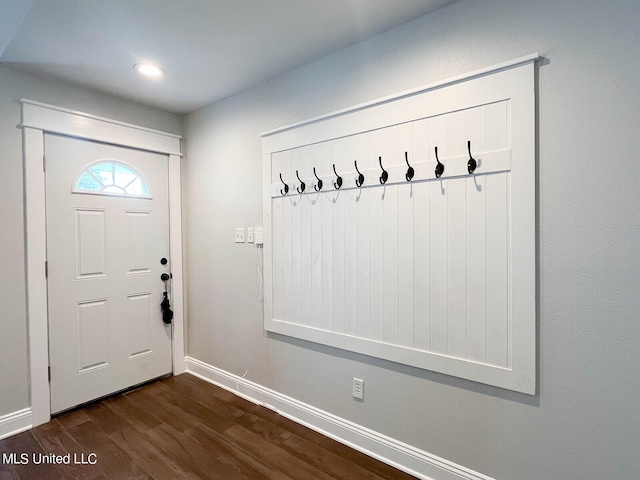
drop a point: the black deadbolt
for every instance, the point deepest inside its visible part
(163, 261)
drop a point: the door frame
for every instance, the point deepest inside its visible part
(38, 119)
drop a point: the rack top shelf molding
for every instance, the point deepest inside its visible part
(404, 228)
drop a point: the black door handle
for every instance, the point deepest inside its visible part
(165, 306)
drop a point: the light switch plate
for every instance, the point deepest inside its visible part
(239, 235)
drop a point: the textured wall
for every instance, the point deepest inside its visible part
(585, 420)
(14, 85)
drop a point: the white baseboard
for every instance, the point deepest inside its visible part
(15, 422)
(404, 457)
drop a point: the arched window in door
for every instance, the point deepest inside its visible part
(111, 178)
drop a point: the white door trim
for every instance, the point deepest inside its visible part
(38, 119)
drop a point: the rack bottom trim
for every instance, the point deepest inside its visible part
(506, 378)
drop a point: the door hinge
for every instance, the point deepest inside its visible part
(44, 163)
(49, 372)
(46, 268)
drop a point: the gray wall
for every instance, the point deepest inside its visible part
(584, 422)
(14, 85)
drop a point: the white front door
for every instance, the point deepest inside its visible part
(107, 236)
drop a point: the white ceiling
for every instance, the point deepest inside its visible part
(210, 49)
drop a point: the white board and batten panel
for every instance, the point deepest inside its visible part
(432, 272)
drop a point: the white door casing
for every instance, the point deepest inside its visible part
(104, 251)
(38, 119)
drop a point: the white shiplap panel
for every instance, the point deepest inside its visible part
(406, 319)
(288, 171)
(285, 229)
(287, 270)
(456, 268)
(476, 239)
(306, 264)
(497, 126)
(475, 129)
(338, 240)
(456, 240)
(316, 259)
(327, 259)
(456, 139)
(405, 241)
(283, 161)
(293, 160)
(346, 153)
(308, 157)
(390, 318)
(276, 249)
(351, 252)
(422, 149)
(476, 268)
(421, 247)
(286, 167)
(438, 241)
(369, 149)
(421, 265)
(296, 249)
(405, 144)
(389, 147)
(497, 269)
(363, 234)
(390, 260)
(438, 255)
(376, 262)
(276, 167)
(363, 157)
(438, 138)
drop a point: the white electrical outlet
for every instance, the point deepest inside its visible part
(358, 388)
(239, 235)
(250, 235)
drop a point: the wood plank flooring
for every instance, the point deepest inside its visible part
(182, 428)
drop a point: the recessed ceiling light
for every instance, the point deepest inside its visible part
(149, 70)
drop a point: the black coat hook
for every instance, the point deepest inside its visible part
(410, 171)
(360, 177)
(302, 184)
(318, 186)
(439, 166)
(286, 187)
(338, 183)
(471, 164)
(385, 175)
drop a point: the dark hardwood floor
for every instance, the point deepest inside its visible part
(181, 428)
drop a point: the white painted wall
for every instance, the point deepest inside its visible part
(14, 85)
(585, 420)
